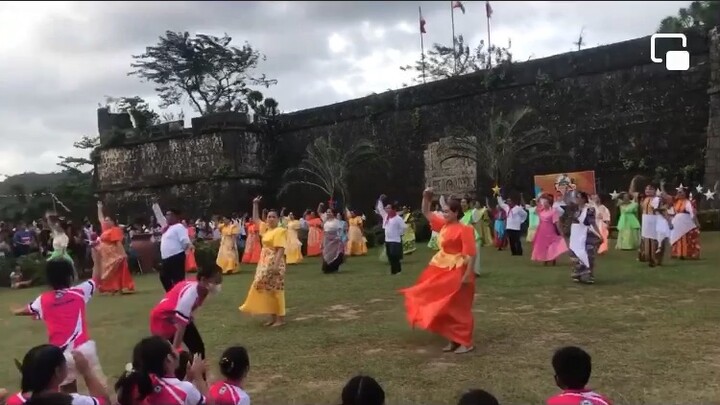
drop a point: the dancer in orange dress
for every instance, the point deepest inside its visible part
(110, 258)
(685, 234)
(253, 245)
(315, 235)
(442, 298)
(190, 263)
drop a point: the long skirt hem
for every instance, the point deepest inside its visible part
(441, 304)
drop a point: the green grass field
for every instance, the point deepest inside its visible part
(653, 333)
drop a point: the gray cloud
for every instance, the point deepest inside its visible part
(62, 60)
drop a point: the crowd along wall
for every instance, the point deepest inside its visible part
(612, 110)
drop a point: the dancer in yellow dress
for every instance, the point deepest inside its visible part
(356, 245)
(267, 292)
(408, 237)
(227, 258)
(293, 250)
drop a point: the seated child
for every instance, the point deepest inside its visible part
(572, 367)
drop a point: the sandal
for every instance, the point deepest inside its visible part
(464, 349)
(451, 347)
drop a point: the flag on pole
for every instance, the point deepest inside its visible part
(488, 9)
(422, 23)
(458, 4)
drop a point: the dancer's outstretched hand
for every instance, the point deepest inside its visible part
(257, 199)
(428, 193)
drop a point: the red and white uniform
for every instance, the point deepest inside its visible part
(175, 309)
(63, 312)
(19, 399)
(222, 393)
(171, 391)
(578, 397)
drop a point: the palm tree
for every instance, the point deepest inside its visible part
(327, 166)
(700, 16)
(501, 147)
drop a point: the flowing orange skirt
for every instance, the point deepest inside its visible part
(253, 247)
(605, 232)
(440, 303)
(119, 280)
(190, 263)
(687, 247)
(314, 243)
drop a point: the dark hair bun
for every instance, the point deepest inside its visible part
(226, 365)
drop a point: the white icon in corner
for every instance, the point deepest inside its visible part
(674, 60)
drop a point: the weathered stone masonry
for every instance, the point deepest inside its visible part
(612, 109)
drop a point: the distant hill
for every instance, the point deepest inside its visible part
(30, 182)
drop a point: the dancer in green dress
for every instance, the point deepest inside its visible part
(433, 243)
(470, 218)
(628, 225)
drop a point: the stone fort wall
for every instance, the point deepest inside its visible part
(612, 109)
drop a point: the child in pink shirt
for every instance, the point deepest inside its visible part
(234, 366)
(44, 367)
(63, 309)
(573, 366)
(151, 377)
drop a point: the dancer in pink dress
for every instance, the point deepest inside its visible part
(548, 243)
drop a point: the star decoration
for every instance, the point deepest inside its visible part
(699, 188)
(614, 195)
(680, 187)
(496, 190)
(709, 195)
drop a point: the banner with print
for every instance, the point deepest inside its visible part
(560, 184)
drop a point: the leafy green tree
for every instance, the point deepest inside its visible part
(327, 166)
(443, 62)
(698, 16)
(77, 190)
(141, 115)
(499, 147)
(81, 164)
(212, 74)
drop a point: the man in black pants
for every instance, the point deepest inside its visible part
(516, 215)
(394, 227)
(173, 244)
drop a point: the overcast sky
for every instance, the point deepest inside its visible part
(58, 60)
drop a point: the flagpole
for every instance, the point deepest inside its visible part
(422, 43)
(422, 46)
(452, 21)
(487, 16)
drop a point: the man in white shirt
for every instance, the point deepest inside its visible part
(174, 241)
(516, 215)
(394, 227)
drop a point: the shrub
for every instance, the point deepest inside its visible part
(33, 268)
(709, 220)
(375, 236)
(7, 266)
(422, 227)
(206, 253)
